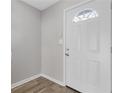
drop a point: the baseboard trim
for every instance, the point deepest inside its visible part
(34, 77)
(24, 81)
(52, 79)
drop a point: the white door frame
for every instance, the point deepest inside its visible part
(64, 33)
(64, 40)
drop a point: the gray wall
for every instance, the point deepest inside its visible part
(26, 41)
(52, 28)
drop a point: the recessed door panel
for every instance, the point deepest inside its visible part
(93, 35)
(93, 72)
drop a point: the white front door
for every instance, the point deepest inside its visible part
(88, 47)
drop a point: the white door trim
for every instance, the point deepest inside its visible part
(64, 40)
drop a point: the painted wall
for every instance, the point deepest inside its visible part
(52, 29)
(26, 41)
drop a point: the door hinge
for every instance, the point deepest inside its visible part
(111, 5)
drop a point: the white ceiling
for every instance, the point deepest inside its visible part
(40, 4)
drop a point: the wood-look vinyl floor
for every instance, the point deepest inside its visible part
(42, 85)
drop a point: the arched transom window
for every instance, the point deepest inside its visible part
(85, 15)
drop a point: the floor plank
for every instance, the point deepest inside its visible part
(42, 85)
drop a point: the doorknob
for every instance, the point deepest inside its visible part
(66, 54)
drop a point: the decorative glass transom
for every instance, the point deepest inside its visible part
(85, 15)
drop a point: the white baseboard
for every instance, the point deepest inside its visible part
(25, 81)
(34, 77)
(52, 79)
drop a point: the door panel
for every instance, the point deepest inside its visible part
(93, 35)
(88, 66)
